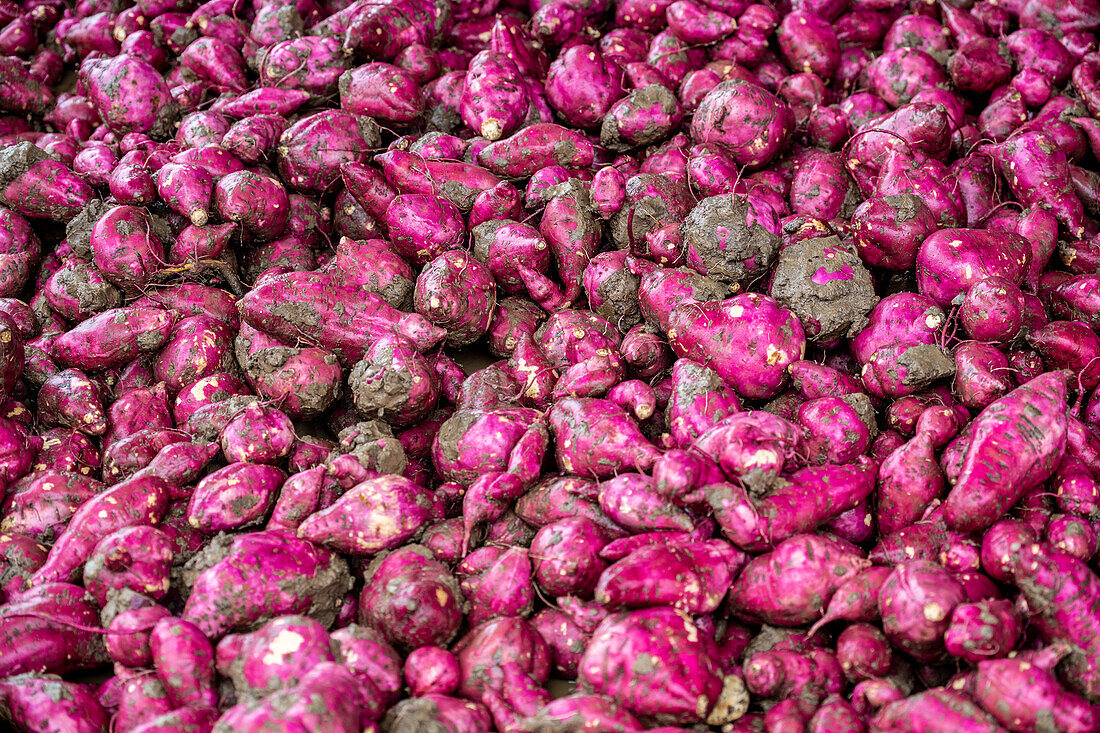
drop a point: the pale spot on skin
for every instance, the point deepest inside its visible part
(285, 642)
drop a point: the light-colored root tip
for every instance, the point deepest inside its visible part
(491, 129)
(200, 217)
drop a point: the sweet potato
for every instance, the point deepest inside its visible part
(692, 690)
(113, 337)
(1037, 172)
(973, 503)
(916, 603)
(731, 238)
(581, 85)
(985, 630)
(236, 496)
(414, 601)
(259, 663)
(747, 122)
(301, 305)
(332, 683)
(313, 148)
(565, 556)
(455, 292)
(703, 573)
(937, 709)
(431, 670)
(788, 585)
(257, 202)
(40, 504)
(126, 247)
(1058, 588)
(889, 229)
(51, 628)
(40, 702)
(1023, 693)
(276, 573)
(146, 105)
(757, 371)
(619, 445)
(399, 509)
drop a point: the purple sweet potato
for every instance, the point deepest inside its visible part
(937, 709)
(134, 558)
(916, 603)
(295, 68)
(333, 684)
(40, 702)
(565, 556)
(238, 495)
(1006, 456)
(113, 337)
(412, 598)
(980, 374)
(498, 584)
(1038, 175)
(136, 502)
(581, 85)
(863, 652)
(746, 121)
(620, 445)
(77, 291)
(985, 630)
(146, 105)
(276, 572)
(909, 480)
(692, 690)
(804, 677)
(808, 498)
(262, 662)
(313, 148)
(128, 634)
(1024, 694)
(70, 399)
(431, 670)
(307, 309)
(257, 202)
(305, 381)
(542, 144)
(61, 620)
(198, 346)
(399, 508)
(455, 292)
(382, 91)
(731, 238)
(258, 435)
(41, 504)
(889, 229)
(495, 97)
(788, 585)
(697, 578)
(760, 369)
(1060, 589)
(423, 226)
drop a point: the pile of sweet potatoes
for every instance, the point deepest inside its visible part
(388, 366)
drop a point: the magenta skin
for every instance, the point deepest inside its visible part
(146, 105)
(417, 604)
(198, 346)
(258, 435)
(581, 86)
(258, 203)
(431, 670)
(125, 249)
(423, 226)
(311, 150)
